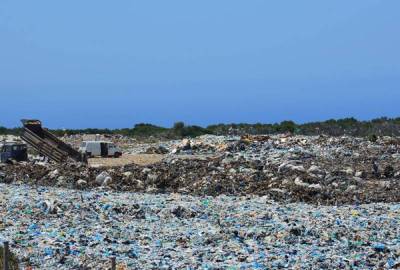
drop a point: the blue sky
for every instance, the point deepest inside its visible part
(76, 64)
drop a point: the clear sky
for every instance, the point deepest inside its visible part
(95, 63)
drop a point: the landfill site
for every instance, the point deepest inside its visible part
(212, 202)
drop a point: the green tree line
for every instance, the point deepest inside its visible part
(348, 126)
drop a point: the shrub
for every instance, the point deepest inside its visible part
(372, 138)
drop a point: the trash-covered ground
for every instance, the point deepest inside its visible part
(314, 169)
(212, 202)
(54, 228)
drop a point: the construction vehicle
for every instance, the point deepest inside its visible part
(48, 144)
(100, 148)
(10, 151)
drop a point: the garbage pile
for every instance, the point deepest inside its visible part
(205, 144)
(9, 138)
(213, 202)
(51, 228)
(156, 150)
(318, 169)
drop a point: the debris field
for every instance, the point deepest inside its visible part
(212, 202)
(69, 229)
(319, 169)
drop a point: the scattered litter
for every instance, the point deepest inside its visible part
(150, 231)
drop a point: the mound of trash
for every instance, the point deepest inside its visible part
(55, 228)
(316, 169)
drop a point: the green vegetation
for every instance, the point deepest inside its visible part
(348, 126)
(13, 263)
(373, 138)
(145, 130)
(9, 131)
(180, 130)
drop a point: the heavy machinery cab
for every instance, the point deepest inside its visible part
(13, 151)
